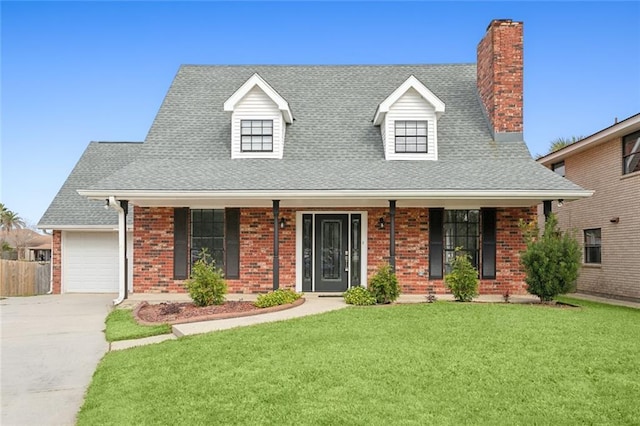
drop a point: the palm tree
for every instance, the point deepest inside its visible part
(10, 220)
(562, 142)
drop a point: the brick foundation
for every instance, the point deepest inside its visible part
(153, 248)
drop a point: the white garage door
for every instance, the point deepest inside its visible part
(90, 262)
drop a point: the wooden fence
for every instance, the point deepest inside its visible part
(20, 278)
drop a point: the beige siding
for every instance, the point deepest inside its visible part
(256, 105)
(616, 196)
(410, 106)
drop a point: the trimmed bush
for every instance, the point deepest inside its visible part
(551, 262)
(463, 278)
(384, 285)
(277, 297)
(359, 296)
(206, 284)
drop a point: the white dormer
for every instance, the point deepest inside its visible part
(258, 120)
(408, 121)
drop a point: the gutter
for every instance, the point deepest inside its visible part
(399, 194)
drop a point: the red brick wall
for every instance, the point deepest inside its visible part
(412, 251)
(56, 259)
(500, 75)
(153, 250)
(256, 251)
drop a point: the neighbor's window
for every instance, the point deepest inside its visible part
(631, 153)
(256, 135)
(207, 231)
(558, 168)
(411, 136)
(461, 229)
(592, 246)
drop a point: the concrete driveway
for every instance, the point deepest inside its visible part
(50, 347)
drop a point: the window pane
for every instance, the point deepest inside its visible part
(592, 245)
(207, 231)
(461, 229)
(632, 143)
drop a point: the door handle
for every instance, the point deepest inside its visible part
(346, 260)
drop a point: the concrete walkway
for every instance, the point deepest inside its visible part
(313, 304)
(606, 300)
(51, 346)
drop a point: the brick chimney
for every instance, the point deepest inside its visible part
(499, 78)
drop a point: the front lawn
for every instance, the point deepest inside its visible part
(442, 363)
(122, 326)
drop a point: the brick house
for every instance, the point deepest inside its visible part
(608, 223)
(310, 177)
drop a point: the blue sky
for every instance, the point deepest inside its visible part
(75, 72)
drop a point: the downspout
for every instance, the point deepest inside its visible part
(51, 264)
(121, 208)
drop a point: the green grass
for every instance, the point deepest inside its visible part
(122, 326)
(441, 363)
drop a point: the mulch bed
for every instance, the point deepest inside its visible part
(180, 313)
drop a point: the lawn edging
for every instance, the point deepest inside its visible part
(214, 317)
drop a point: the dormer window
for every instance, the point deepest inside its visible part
(256, 135)
(259, 118)
(408, 120)
(411, 136)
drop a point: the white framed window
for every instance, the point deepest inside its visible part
(592, 245)
(411, 136)
(256, 135)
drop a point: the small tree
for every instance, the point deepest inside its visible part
(384, 285)
(206, 285)
(551, 261)
(463, 278)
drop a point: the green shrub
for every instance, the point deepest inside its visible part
(359, 296)
(206, 284)
(463, 278)
(551, 262)
(384, 285)
(277, 297)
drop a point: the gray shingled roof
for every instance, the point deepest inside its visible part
(332, 143)
(68, 208)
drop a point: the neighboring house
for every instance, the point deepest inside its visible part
(27, 244)
(608, 224)
(310, 177)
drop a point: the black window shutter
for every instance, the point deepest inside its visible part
(232, 242)
(488, 243)
(180, 243)
(436, 218)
